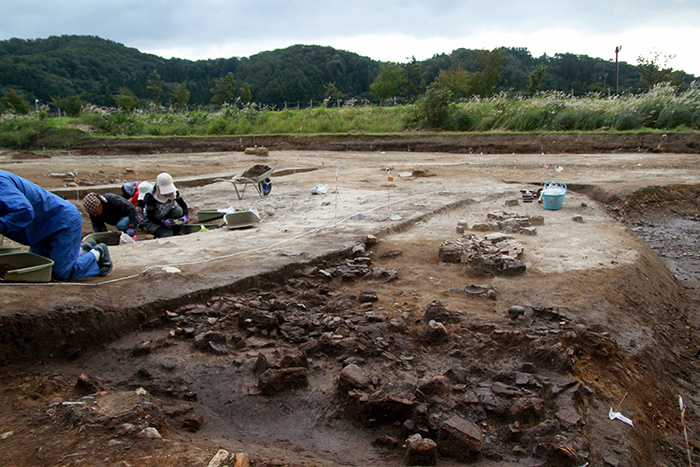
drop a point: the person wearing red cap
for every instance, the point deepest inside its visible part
(165, 209)
(135, 192)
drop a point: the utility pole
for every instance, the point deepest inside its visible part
(617, 68)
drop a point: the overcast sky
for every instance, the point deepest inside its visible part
(386, 30)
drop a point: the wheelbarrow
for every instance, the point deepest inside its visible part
(257, 175)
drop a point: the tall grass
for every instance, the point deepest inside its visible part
(663, 108)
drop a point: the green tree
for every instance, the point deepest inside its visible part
(484, 81)
(180, 96)
(413, 80)
(224, 89)
(126, 100)
(536, 79)
(387, 82)
(331, 92)
(456, 81)
(71, 105)
(246, 94)
(655, 70)
(155, 87)
(434, 106)
(16, 102)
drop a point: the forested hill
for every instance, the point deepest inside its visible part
(99, 69)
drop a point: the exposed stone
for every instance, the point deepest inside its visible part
(144, 348)
(437, 311)
(211, 341)
(352, 377)
(359, 250)
(434, 332)
(242, 460)
(420, 451)
(497, 253)
(367, 296)
(460, 438)
(88, 385)
(275, 380)
(435, 387)
(515, 312)
(219, 459)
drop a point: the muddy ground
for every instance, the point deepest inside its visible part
(332, 332)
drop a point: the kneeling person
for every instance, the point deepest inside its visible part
(166, 211)
(110, 209)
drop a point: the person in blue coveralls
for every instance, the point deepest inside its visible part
(51, 227)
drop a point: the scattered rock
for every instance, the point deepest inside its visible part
(461, 439)
(420, 451)
(219, 459)
(211, 341)
(275, 380)
(352, 377)
(434, 333)
(496, 254)
(242, 460)
(515, 311)
(88, 385)
(436, 311)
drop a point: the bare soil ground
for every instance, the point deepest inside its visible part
(235, 339)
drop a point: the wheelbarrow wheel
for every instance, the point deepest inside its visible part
(265, 187)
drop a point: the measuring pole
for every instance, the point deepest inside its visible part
(389, 179)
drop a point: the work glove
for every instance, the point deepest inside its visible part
(184, 219)
(130, 231)
(167, 223)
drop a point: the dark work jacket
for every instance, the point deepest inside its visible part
(151, 203)
(112, 212)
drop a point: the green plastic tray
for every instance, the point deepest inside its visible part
(28, 267)
(239, 220)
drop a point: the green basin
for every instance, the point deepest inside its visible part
(10, 249)
(108, 238)
(207, 215)
(26, 267)
(194, 228)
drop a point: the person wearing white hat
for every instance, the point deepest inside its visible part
(165, 210)
(135, 192)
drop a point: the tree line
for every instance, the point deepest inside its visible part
(69, 72)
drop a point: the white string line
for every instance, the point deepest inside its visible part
(239, 253)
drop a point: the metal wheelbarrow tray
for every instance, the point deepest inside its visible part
(257, 175)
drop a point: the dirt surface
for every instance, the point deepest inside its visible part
(331, 331)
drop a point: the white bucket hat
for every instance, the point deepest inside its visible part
(165, 184)
(144, 187)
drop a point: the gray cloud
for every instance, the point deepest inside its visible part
(202, 24)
